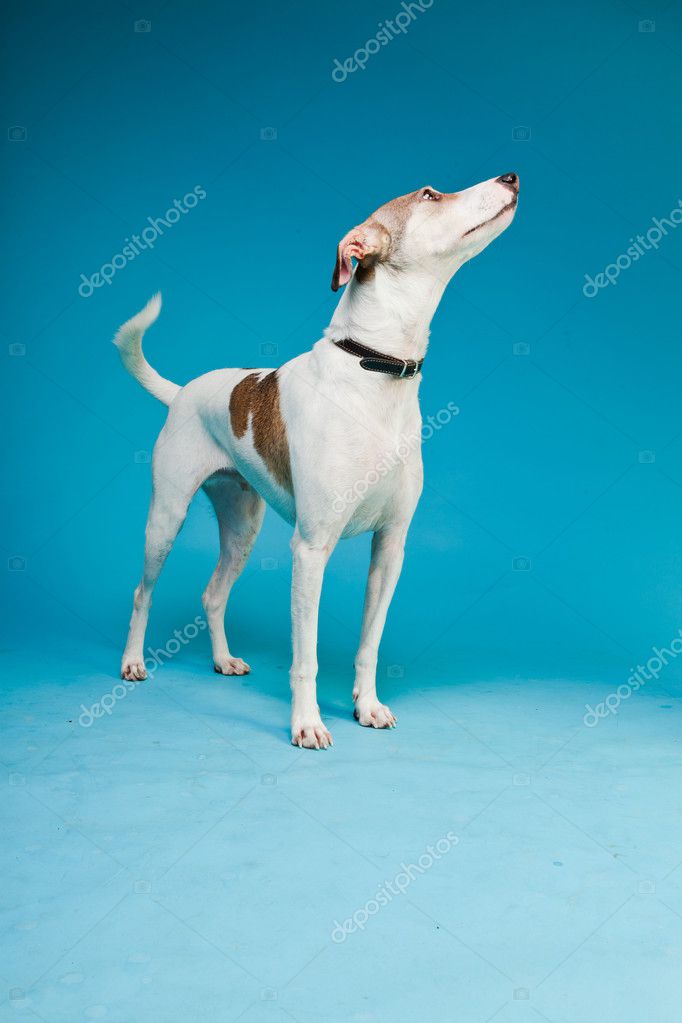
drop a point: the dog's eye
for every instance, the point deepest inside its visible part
(430, 193)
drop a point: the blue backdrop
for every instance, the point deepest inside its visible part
(547, 538)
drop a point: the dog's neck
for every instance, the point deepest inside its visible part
(388, 310)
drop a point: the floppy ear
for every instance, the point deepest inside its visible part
(368, 243)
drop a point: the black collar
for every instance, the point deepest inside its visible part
(376, 362)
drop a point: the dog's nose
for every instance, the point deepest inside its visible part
(510, 180)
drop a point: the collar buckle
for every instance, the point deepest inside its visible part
(415, 369)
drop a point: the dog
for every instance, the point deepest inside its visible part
(301, 437)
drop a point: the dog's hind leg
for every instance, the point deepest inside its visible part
(239, 511)
(174, 484)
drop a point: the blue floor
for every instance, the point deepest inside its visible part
(493, 858)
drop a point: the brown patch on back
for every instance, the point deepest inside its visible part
(258, 399)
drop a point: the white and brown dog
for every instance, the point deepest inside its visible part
(300, 435)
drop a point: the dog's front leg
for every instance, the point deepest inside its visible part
(387, 560)
(310, 557)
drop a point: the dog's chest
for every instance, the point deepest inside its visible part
(380, 486)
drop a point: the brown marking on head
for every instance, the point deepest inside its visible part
(378, 238)
(368, 243)
(396, 213)
(257, 399)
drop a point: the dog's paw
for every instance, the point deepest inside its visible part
(373, 714)
(310, 733)
(133, 669)
(231, 666)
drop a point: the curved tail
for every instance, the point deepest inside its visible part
(128, 340)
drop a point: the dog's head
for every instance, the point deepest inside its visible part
(428, 230)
